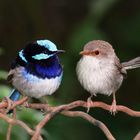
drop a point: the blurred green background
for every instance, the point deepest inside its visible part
(71, 24)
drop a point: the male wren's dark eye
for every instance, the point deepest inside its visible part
(97, 52)
(46, 51)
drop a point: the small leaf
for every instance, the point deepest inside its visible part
(4, 91)
(3, 74)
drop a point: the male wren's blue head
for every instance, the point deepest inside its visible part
(38, 51)
(36, 71)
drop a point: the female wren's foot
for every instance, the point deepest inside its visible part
(89, 103)
(113, 108)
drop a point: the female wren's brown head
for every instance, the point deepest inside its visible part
(98, 48)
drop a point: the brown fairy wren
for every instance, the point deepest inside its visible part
(100, 71)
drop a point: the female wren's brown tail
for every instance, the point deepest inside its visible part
(132, 64)
(100, 71)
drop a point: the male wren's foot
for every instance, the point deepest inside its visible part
(113, 108)
(89, 103)
(9, 103)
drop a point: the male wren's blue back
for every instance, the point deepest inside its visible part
(100, 70)
(36, 71)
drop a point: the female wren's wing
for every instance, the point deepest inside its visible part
(120, 67)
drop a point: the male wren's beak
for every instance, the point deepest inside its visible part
(59, 51)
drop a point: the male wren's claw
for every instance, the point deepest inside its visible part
(9, 104)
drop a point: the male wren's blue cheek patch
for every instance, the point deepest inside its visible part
(47, 44)
(41, 56)
(22, 56)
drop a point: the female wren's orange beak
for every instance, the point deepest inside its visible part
(87, 52)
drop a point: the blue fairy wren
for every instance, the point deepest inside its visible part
(100, 71)
(36, 71)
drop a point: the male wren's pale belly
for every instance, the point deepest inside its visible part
(98, 76)
(32, 86)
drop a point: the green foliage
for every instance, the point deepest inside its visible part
(5, 90)
(3, 75)
(85, 32)
(1, 51)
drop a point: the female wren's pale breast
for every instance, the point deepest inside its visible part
(98, 75)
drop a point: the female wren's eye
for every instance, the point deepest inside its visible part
(96, 52)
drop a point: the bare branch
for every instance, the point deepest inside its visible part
(20, 123)
(49, 116)
(9, 132)
(10, 125)
(79, 103)
(4, 104)
(91, 120)
(137, 137)
(63, 109)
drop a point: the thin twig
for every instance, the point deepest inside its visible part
(4, 104)
(79, 103)
(8, 137)
(20, 123)
(64, 109)
(137, 137)
(49, 116)
(92, 120)
(10, 125)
